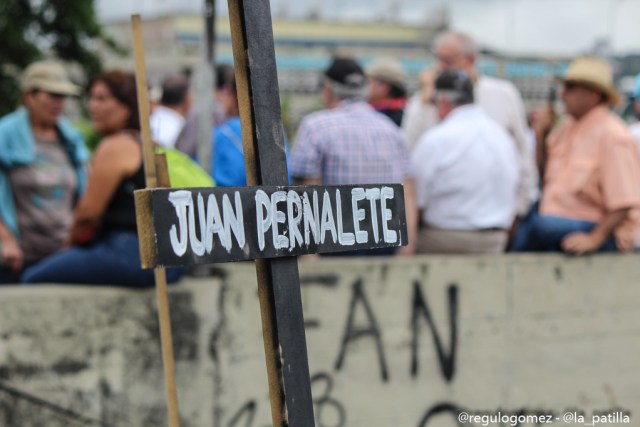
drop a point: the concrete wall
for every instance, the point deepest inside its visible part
(391, 343)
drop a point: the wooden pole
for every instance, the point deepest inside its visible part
(265, 161)
(152, 182)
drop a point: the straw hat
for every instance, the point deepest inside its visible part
(594, 73)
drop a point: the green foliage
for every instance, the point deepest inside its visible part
(33, 29)
(91, 137)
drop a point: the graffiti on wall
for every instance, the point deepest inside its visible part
(410, 340)
(427, 334)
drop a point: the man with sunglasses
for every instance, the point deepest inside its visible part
(591, 171)
(42, 159)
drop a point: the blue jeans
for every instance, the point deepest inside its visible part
(113, 260)
(544, 233)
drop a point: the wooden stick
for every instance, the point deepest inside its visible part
(265, 161)
(267, 314)
(143, 104)
(152, 182)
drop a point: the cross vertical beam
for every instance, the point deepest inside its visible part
(265, 159)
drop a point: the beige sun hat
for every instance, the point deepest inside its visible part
(48, 76)
(594, 73)
(388, 70)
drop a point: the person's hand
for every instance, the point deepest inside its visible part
(82, 233)
(407, 250)
(580, 243)
(542, 120)
(427, 82)
(308, 257)
(625, 243)
(12, 255)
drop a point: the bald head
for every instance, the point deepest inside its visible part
(455, 50)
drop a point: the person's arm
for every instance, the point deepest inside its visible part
(305, 161)
(619, 178)
(10, 253)
(541, 154)
(422, 171)
(420, 114)
(411, 210)
(517, 127)
(116, 158)
(582, 243)
(542, 127)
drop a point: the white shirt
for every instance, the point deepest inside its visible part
(417, 119)
(466, 173)
(502, 101)
(635, 130)
(166, 124)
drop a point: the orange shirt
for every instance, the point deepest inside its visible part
(593, 168)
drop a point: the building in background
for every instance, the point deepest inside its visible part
(303, 47)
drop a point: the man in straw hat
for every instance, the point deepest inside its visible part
(591, 184)
(42, 173)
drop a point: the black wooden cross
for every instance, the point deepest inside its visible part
(268, 221)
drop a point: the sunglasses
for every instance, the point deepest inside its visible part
(569, 86)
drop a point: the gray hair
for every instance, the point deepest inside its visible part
(455, 97)
(343, 92)
(468, 46)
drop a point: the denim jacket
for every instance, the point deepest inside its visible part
(17, 148)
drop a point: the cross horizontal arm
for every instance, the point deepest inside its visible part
(207, 225)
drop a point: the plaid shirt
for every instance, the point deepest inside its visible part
(350, 144)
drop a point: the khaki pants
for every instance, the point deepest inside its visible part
(439, 241)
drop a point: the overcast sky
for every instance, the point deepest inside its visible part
(566, 27)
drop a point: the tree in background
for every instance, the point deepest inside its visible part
(33, 29)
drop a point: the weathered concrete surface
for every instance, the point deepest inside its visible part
(391, 343)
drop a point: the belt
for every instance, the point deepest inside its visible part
(488, 229)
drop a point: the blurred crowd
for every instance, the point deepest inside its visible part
(481, 174)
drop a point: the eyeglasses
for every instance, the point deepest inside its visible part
(449, 60)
